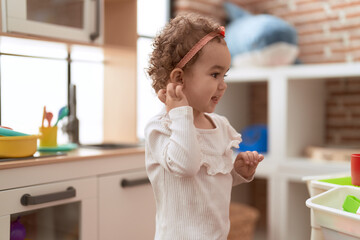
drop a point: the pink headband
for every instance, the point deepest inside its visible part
(201, 43)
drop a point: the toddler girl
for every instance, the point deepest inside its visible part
(189, 158)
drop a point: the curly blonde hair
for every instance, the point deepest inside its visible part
(172, 44)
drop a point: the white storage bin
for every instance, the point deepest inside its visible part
(329, 215)
(316, 185)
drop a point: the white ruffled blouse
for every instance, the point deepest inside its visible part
(191, 171)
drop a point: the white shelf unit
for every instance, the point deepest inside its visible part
(296, 114)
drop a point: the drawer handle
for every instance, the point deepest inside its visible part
(96, 34)
(131, 183)
(27, 199)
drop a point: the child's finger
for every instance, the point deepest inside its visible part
(250, 156)
(171, 90)
(179, 92)
(245, 157)
(162, 95)
(256, 155)
(258, 160)
(239, 157)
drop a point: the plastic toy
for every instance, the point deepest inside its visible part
(254, 138)
(17, 230)
(355, 169)
(352, 204)
(259, 40)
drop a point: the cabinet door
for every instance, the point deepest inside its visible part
(69, 20)
(126, 207)
(5, 227)
(59, 210)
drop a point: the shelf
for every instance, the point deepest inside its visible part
(296, 168)
(297, 116)
(323, 71)
(238, 106)
(313, 71)
(265, 169)
(305, 116)
(298, 224)
(248, 75)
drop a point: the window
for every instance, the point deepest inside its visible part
(159, 13)
(87, 71)
(34, 74)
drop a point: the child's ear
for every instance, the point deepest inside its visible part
(176, 76)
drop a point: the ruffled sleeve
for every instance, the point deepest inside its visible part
(237, 178)
(171, 142)
(233, 136)
(217, 147)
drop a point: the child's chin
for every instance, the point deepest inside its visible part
(210, 110)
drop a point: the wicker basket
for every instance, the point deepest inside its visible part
(243, 220)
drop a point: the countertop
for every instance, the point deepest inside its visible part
(74, 155)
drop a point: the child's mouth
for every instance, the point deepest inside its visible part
(215, 99)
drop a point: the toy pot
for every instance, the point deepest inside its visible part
(355, 169)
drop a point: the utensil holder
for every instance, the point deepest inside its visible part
(48, 136)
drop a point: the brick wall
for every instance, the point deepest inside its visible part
(258, 105)
(212, 8)
(328, 32)
(343, 112)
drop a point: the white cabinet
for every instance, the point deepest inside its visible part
(60, 210)
(296, 114)
(79, 194)
(4, 227)
(70, 20)
(126, 206)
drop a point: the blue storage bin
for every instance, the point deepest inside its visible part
(254, 138)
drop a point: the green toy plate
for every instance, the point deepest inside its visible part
(60, 148)
(9, 133)
(343, 181)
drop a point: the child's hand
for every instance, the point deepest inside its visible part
(246, 163)
(173, 96)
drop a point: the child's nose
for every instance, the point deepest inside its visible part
(222, 85)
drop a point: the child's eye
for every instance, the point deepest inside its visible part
(214, 75)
